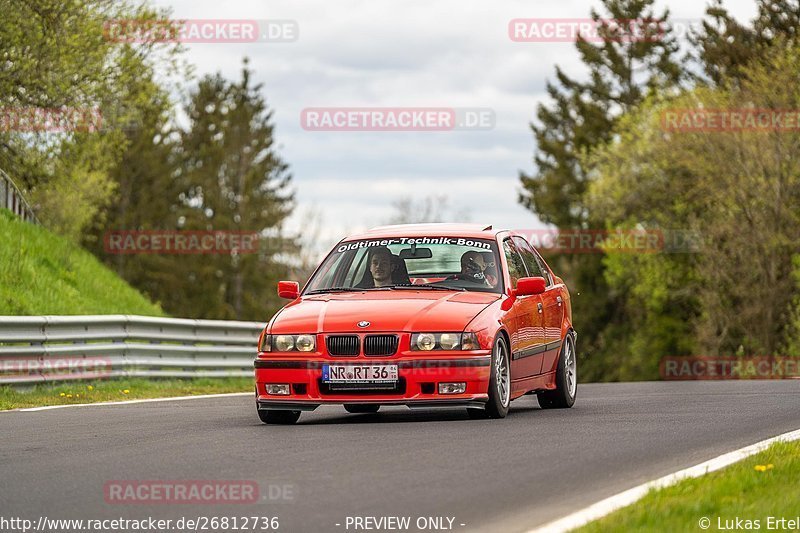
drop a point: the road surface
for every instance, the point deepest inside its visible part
(480, 475)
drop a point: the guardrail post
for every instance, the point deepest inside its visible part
(11, 198)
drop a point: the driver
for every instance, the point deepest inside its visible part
(381, 267)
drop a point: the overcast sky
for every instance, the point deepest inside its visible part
(415, 53)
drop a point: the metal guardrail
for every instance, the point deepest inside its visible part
(12, 199)
(35, 349)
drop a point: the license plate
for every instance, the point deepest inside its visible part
(359, 373)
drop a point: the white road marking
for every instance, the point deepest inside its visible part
(128, 402)
(623, 499)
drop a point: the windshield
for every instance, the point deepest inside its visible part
(424, 263)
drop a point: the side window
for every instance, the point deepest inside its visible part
(529, 258)
(544, 268)
(516, 268)
(328, 272)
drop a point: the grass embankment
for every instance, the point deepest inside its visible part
(44, 274)
(762, 486)
(116, 390)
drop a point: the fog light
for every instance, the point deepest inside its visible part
(281, 389)
(452, 388)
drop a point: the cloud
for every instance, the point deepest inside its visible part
(417, 53)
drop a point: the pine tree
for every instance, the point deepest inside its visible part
(234, 180)
(623, 69)
(724, 47)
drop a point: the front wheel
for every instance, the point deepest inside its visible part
(566, 379)
(499, 383)
(278, 417)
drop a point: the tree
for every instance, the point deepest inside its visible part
(622, 69)
(581, 117)
(221, 173)
(57, 57)
(793, 331)
(232, 178)
(740, 190)
(723, 46)
(146, 197)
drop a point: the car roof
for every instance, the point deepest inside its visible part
(443, 229)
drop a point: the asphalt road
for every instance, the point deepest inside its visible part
(490, 475)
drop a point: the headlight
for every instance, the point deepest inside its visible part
(284, 343)
(449, 341)
(289, 343)
(444, 341)
(305, 343)
(424, 341)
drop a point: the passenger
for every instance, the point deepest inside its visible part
(473, 268)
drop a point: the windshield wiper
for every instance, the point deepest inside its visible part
(334, 289)
(346, 289)
(425, 286)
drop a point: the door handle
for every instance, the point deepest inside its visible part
(559, 301)
(539, 306)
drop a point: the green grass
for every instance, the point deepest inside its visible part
(749, 490)
(116, 390)
(44, 274)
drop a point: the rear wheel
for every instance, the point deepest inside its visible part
(360, 408)
(566, 379)
(499, 383)
(278, 417)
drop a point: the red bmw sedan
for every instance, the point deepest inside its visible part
(421, 315)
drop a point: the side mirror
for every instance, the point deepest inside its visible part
(526, 286)
(289, 289)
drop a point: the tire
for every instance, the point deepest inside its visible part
(499, 381)
(278, 417)
(563, 396)
(361, 408)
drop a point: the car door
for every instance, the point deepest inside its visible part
(552, 302)
(527, 339)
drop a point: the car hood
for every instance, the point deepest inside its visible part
(398, 310)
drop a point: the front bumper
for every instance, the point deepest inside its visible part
(417, 385)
